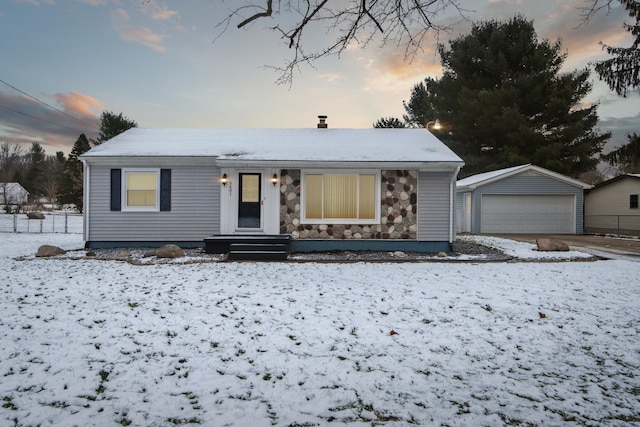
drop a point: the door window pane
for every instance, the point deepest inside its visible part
(251, 188)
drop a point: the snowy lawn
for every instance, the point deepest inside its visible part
(87, 342)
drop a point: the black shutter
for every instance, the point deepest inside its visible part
(116, 189)
(165, 189)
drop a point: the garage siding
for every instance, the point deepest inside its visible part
(194, 215)
(527, 184)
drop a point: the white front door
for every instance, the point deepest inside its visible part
(250, 201)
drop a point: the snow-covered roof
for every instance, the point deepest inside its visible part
(312, 145)
(632, 176)
(474, 181)
(487, 176)
(12, 187)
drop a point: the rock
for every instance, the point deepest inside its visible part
(169, 251)
(551, 245)
(442, 254)
(399, 254)
(48, 250)
(35, 215)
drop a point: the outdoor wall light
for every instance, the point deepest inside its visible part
(435, 123)
(274, 179)
(224, 179)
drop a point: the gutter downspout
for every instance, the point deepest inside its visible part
(85, 201)
(452, 205)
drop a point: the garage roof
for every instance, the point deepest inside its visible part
(474, 181)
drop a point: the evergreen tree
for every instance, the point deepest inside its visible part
(111, 125)
(626, 158)
(420, 109)
(72, 182)
(504, 102)
(622, 72)
(52, 179)
(389, 122)
(35, 171)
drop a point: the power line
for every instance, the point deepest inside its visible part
(93, 126)
(38, 118)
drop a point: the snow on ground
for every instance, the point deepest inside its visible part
(88, 342)
(523, 250)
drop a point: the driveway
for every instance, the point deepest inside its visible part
(605, 246)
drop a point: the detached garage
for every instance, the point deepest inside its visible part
(524, 199)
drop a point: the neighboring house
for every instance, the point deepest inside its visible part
(612, 206)
(523, 199)
(324, 189)
(12, 193)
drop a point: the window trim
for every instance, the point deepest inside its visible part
(362, 221)
(633, 202)
(125, 206)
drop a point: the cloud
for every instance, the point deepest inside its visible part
(142, 35)
(390, 71)
(94, 2)
(331, 77)
(24, 120)
(162, 13)
(78, 104)
(582, 39)
(620, 127)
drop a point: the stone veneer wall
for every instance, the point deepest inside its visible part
(398, 217)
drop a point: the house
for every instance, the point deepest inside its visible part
(612, 206)
(523, 199)
(322, 189)
(12, 193)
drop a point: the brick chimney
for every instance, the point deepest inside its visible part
(323, 122)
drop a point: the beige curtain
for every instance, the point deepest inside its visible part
(340, 196)
(141, 189)
(313, 197)
(367, 197)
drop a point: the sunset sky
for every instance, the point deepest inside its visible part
(162, 64)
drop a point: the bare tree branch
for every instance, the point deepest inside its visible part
(264, 14)
(403, 23)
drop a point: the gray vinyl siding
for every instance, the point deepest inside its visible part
(523, 185)
(194, 214)
(459, 209)
(434, 195)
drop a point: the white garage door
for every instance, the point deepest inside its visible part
(527, 214)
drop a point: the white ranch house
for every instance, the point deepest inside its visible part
(321, 189)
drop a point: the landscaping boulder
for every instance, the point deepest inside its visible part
(169, 251)
(35, 215)
(48, 250)
(551, 245)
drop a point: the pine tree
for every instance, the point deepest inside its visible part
(626, 158)
(622, 72)
(72, 182)
(504, 102)
(35, 171)
(389, 122)
(111, 125)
